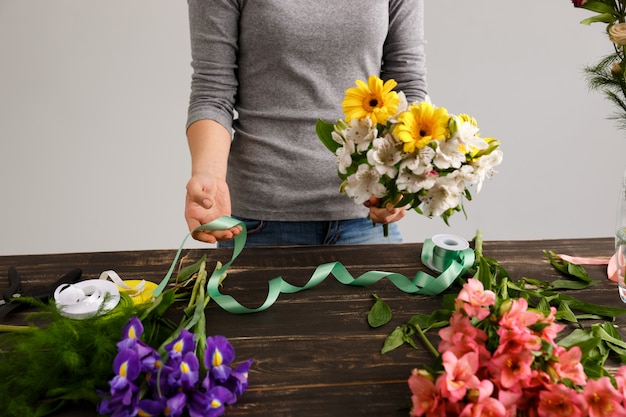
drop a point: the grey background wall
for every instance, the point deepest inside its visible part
(93, 98)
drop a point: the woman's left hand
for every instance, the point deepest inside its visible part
(384, 215)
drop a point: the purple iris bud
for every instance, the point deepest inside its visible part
(219, 354)
(150, 408)
(181, 345)
(237, 382)
(176, 405)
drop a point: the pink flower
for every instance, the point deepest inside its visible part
(620, 378)
(557, 400)
(488, 407)
(552, 329)
(514, 327)
(460, 337)
(474, 300)
(511, 369)
(459, 376)
(568, 364)
(579, 3)
(603, 399)
(425, 397)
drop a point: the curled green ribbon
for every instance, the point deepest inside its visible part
(452, 263)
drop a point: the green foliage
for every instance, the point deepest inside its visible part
(65, 361)
(599, 341)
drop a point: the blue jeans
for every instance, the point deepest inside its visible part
(335, 232)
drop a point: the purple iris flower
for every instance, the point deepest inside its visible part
(237, 382)
(219, 354)
(183, 344)
(210, 404)
(126, 366)
(150, 408)
(131, 333)
(185, 375)
(176, 405)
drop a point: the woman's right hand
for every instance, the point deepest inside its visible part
(208, 199)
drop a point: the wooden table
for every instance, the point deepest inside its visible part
(315, 354)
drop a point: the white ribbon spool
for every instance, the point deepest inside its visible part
(87, 298)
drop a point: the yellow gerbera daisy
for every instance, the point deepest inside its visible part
(421, 124)
(374, 100)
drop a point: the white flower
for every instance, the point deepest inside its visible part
(384, 155)
(420, 162)
(364, 183)
(439, 199)
(468, 135)
(344, 155)
(483, 166)
(413, 183)
(448, 154)
(361, 133)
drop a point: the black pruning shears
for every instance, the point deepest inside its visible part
(7, 297)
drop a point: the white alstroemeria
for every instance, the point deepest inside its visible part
(468, 135)
(364, 183)
(384, 155)
(412, 183)
(439, 199)
(344, 156)
(448, 154)
(455, 182)
(483, 166)
(361, 133)
(419, 163)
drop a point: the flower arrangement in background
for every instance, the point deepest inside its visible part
(609, 74)
(415, 155)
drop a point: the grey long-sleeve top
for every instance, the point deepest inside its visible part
(282, 64)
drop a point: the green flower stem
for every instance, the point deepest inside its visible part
(7, 328)
(478, 243)
(426, 342)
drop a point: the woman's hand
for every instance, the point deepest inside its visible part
(384, 215)
(208, 199)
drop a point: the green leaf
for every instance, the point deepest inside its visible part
(394, 340)
(380, 313)
(599, 7)
(324, 133)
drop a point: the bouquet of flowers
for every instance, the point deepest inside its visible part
(609, 75)
(415, 155)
